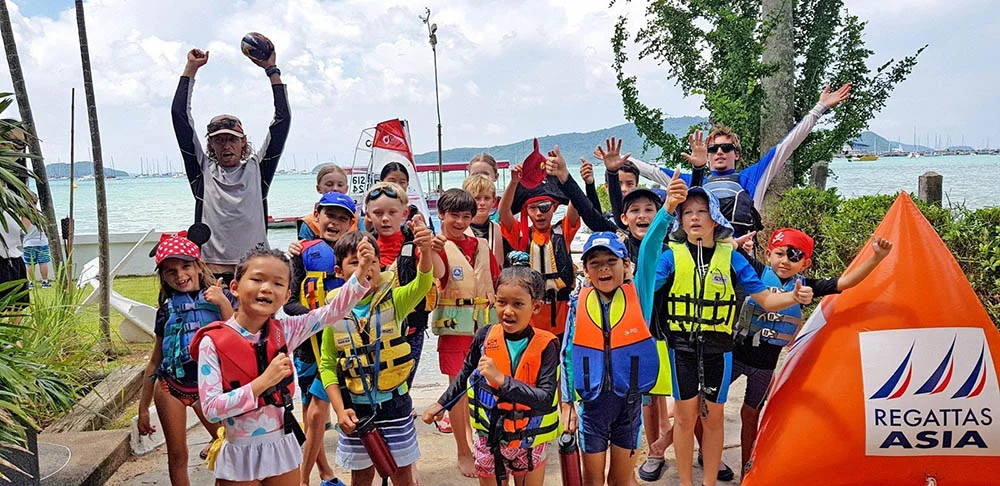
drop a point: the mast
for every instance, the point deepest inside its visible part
(432, 35)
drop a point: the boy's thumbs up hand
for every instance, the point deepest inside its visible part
(676, 192)
(803, 293)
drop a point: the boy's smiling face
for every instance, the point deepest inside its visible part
(454, 223)
(541, 220)
(777, 258)
(387, 215)
(346, 267)
(264, 287)
(334, 221)
(639, 216)
(605, 270)
(696, 220)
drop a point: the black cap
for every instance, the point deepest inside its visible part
(641, 192)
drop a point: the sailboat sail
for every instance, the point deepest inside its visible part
(389, 141)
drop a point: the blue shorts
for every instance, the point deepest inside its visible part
(609, 418)
(36, 255)
(309, 383)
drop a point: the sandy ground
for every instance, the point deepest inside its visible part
(437, 465)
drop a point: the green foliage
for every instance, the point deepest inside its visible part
(43, 350)
(714, 48)
(841, 227)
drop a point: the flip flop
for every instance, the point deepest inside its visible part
(443, 425)
(654, 474)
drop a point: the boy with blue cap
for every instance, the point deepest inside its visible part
(695, 283)
(609, 362)
(313, 276)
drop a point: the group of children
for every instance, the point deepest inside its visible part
(532, 352)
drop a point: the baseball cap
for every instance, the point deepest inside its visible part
(225, 124)
(638, 193)
(793, 238)
(176, 246)
(607, 240)
(337, 200)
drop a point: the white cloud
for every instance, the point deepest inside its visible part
(507, 70)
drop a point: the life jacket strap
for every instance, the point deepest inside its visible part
(463, 302)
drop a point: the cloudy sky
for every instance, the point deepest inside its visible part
(508, 70)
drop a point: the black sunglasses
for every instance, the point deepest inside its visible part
(726, 147)
(223, 124)
(381, 191)
(794, 255)
(543, 207)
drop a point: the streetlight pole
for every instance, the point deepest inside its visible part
(432, 36)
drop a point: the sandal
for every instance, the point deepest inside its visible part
(650, 475)
(443, 425)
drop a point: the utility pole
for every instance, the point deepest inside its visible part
(34, 147)
(102, 202)
(432, 36)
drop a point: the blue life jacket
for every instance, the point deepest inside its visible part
(735, 202)
(776, 328)
(319, 261)
(184, 317)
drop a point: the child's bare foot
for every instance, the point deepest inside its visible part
(659, 446)
(467, 464)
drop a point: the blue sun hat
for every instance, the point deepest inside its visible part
(723, 229)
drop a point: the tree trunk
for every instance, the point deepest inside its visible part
(102, 203)
(778, 115)
(49, 226)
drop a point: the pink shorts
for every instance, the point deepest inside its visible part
(515, 460)
(452, 351)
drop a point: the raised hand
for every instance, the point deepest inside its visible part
(881, 246)
(586, 171)
(610, 154)
(834, 98)
(698, 157)
(746, 242)
(676, 192)
(295, 248)
(556, 165)
(423, 238)
(515, 173)
(367, 261)
(197, 58)
(803, 293)
(215, 295)
(437, 244)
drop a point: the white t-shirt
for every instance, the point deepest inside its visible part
(35, 237)
(10, 238)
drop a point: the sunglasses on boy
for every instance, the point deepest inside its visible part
(794, 255)
(382, 191)
(542, 207)
(725, 147)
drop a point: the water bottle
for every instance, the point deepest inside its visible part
(569, 460)
(377, 449)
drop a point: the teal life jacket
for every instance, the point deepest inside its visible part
(775, 328)
(184, 317)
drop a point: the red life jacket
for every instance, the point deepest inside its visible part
(240, 364)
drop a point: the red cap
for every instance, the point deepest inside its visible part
(792, 237)
(176, 246)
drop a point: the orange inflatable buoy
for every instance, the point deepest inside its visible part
(892, 382)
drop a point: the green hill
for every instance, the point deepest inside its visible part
(572, 145)
(81, 169)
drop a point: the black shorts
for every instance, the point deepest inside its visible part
(718, 368)
(12, 269)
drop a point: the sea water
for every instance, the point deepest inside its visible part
(138, 204)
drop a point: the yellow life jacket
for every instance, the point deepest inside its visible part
(465, 304)
(357, 341)
(701, 304)
(523, 427)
